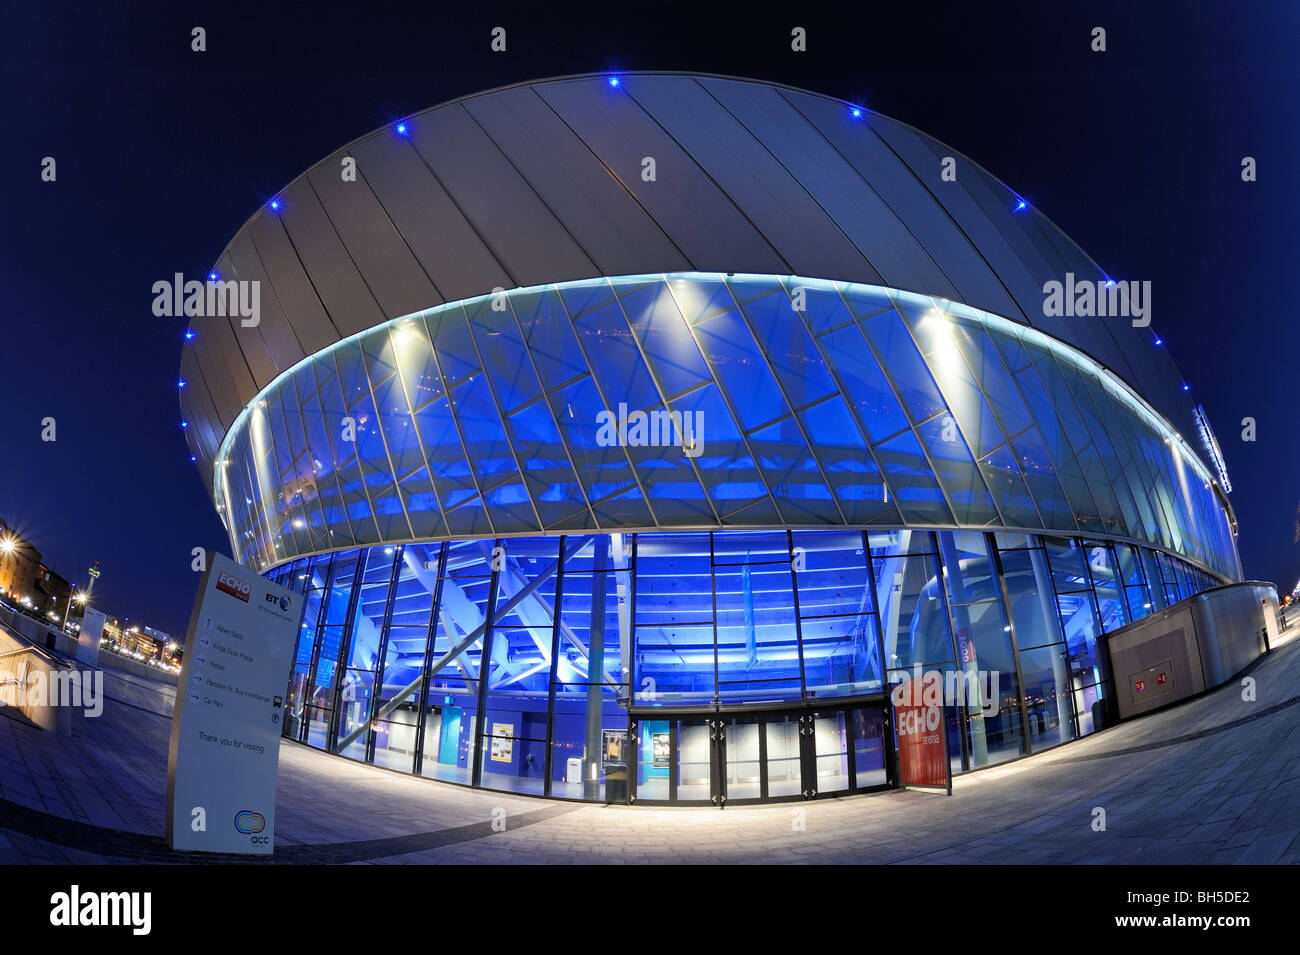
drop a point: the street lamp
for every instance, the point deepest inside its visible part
(79, 598)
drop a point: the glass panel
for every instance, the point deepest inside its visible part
(785, 342)
(869, 747)
(694, 774)
(913, 620)
(743, 759)
(1047, 695)
(831, 750)
(742, 371)
(591, 671)
(664, 338)
(784, 773)
(1033, 606)
(674, 620)
(654, 753)
(758, 648)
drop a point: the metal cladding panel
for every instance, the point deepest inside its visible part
(223, 365)
(543, 182)
(702, 221)
(531, 243)
(341, 287)
(307, 318)
(273, 326)
(909, 194)
(1014, 274)
(834, 185)
(594, 206)
(1024, 237)
(256, 359)
(382, 256)
(764, 191)
(197, 408)
(1132, 352)
(458, 260)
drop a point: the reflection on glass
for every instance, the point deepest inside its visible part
(869, 746)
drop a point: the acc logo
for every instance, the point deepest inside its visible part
(233, 586)
(249, 821)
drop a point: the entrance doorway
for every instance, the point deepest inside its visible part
(723, 758)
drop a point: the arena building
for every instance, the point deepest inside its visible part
(630, 436)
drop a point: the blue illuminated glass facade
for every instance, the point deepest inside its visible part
(544, 664)
(616, 539)
(821, 404)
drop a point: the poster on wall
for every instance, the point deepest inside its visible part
(613, 741)
(922, 738)
(503, 744)
(659, 747)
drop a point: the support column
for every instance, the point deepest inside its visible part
(595, 670)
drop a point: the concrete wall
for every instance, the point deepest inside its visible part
(27, 676)
(1191, 647)
(52, 638)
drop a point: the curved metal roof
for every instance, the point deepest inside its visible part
(547, 181)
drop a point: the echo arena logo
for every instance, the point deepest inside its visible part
(233, 585)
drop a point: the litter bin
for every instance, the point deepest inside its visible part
(573, 771)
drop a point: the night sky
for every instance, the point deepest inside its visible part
(163, 153)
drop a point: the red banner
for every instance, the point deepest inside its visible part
(922, 751)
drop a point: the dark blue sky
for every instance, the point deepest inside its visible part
(163, 153)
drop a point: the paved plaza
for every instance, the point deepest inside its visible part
(1211, 781)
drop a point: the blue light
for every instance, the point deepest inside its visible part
(275, 204)
(212, 276)
(1159, 340)
(193, 458)
(180, 383)
(185, 424)
(1186, 386)
(857, 112)
(1020, 204)
(190, 335)
(401, 129)
(613, 81)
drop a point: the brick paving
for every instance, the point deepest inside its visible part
(1211, 781)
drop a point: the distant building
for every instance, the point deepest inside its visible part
(51, 593)
(20, 564)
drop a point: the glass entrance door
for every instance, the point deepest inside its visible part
(720, 758)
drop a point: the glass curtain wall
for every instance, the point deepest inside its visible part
(512, 663)
(818, 404)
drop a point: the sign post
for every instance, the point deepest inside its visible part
(225, 743)
(92, 629)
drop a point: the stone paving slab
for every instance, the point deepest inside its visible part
(1211, 780)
